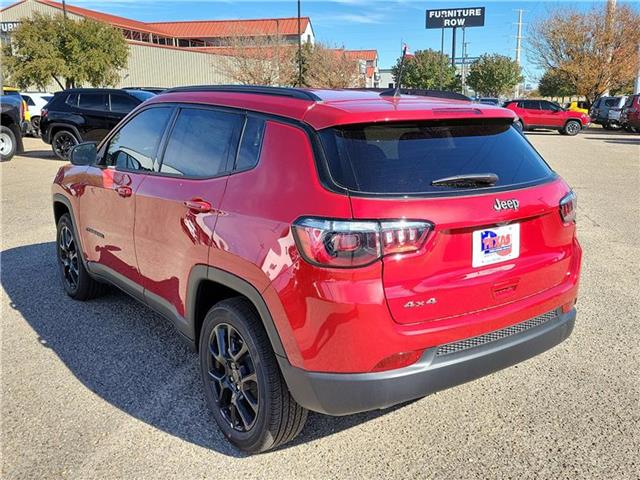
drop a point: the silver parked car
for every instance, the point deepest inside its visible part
(605, 111)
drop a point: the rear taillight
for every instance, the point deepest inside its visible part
(43, 113)
(568, 206)
(352, 243)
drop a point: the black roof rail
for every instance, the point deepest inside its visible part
(256, 89)
(423, 92)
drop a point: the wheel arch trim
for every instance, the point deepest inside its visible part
(200, 273)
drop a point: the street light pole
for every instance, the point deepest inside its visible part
(299, 49)
(64, 9)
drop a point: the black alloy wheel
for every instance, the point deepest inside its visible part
(68, 255)
(62, 143)
(233, 377)
(243, 385)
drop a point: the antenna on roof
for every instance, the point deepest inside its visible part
(396, 91)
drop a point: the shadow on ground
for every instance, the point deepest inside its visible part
(126, 354)
(41, 155)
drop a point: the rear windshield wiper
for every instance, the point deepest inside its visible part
(469, 180)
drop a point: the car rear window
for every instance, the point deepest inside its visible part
(405, 158)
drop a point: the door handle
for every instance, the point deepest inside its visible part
(198, 205)
(124, 191)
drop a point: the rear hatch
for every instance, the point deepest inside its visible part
(497, 235)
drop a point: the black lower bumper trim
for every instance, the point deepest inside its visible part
(344, 394)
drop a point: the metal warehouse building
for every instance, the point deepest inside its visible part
(167, 54)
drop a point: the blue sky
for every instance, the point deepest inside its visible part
(361, 24)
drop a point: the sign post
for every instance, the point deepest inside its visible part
(454, 18)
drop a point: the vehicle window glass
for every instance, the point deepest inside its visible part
(201, 142)
(611, 102)
(532, 104)
(28, 99)
(549, 106)
(135, 145)
(141, 95)
(47, 98)
(250, 144)
(122, 103)
(72, 100)
(405, 158)
(92, 101)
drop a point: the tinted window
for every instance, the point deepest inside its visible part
(250, 143)
(135, 145)
(28, 99)
(549, 106)
(201, 143)
(407, 157)
(122, 103)
(93, 101)
(141, 95)
(611, 102)
(72, 100)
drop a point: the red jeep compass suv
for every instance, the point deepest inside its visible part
(544, 114)
(335, 251)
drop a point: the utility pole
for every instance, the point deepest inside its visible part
(637, 86)
(441, 58)
(453, 48)
(64, 9)
(299, 49)
(464, 68)
(519, 46)
(611, 12)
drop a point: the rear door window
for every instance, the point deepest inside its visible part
(122, 103)
(405, 158)
(202, 142)
(92, 101)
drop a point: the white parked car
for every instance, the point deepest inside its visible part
(35, 103)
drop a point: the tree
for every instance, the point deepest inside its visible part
(597, 50)
(265, 60)
(70, 52)
(331, 68)
(494, 75)
(270, 60)
(556, 83)
(428, 69)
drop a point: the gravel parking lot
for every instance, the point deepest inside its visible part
(105, 389)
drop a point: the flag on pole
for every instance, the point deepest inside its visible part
(406, 51)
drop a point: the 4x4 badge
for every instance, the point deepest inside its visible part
(506, 205)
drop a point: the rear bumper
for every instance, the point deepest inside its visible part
(344, 394)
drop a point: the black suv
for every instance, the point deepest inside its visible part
(12, 125)
(85, 114)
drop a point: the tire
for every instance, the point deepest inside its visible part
(236, 356)
(8, 144)
(572, 128)
(35, 126)
(519, 126)
(75, 278)
(62, 142)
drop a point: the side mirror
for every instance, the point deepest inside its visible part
(84, 154)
